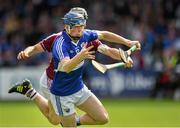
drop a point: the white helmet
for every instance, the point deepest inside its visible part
(80, 11)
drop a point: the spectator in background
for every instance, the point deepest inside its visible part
(163, 86)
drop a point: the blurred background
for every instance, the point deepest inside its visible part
(146, 95)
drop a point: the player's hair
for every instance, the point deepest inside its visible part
(74, 19)
(80, 11)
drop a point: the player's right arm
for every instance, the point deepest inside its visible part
(44, 45)
(30, 51)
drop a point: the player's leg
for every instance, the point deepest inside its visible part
(68, 121)
(46, 110)
(53, 117)
(95, 111)
(25, 88)
(64, 107)
(45, 83)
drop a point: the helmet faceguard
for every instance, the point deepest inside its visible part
(74, 19)
(80, 11)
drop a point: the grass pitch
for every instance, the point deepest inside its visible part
(122, 113)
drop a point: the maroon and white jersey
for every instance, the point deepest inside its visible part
(47, 45)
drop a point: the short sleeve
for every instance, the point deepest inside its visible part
(47, 43)
(93, 35)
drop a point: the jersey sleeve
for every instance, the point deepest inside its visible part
(90, 35)
(93, 35)
(47, 43)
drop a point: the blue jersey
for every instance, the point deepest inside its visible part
(68, 83)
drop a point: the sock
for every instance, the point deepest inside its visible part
(61, 124)
(31, 94)
(78, 121)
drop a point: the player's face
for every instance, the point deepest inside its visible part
(77, 31)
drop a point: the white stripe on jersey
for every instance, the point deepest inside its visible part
(59, 47)
(60, 53)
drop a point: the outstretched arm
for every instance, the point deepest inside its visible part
(29, 51)
(44, 45)
(112, 37)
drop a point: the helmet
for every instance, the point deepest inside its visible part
(80, 11)
(74, 19)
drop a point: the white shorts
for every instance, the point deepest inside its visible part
(45, 83)
(65, 105)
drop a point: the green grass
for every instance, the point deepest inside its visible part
(122, 113)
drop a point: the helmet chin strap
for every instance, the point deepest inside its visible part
(73, 38)
(68, 28)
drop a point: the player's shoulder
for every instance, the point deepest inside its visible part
(89, 31)
(61, 41)
(53, 36)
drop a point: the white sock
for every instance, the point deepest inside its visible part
(31, 94)
(78, 120)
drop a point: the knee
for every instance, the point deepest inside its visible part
(104, 119)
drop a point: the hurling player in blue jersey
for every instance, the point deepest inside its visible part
(68, 89)
(47, 43)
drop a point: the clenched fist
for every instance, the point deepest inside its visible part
(137, 43)
(22, 55)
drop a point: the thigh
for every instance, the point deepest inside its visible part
(63, 105)
(64, 109)
(93, 107)
(52, 113)
(81, 96)
(66, 121)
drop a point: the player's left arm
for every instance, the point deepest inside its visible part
(112, 37)
(67, 64)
